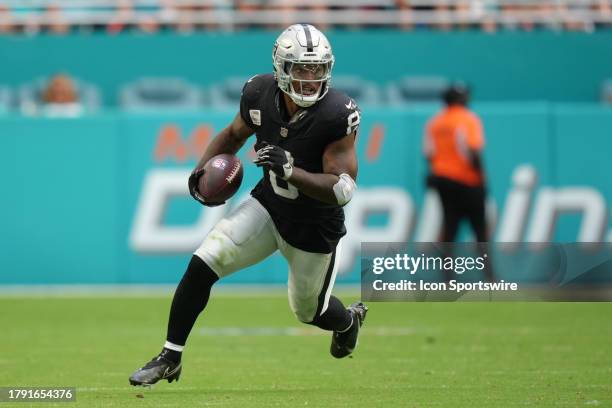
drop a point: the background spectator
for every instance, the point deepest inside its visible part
(453, 143)
(6, 20)
(60, 90)
(60, 97)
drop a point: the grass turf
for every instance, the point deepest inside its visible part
(410, 355)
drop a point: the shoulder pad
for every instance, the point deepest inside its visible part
(341, 113)
(256, 85)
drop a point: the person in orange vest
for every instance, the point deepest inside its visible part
(453, 144)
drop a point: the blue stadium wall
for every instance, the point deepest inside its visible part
(102, 199)
(515, 66)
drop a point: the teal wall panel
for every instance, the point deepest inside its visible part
(502, 66)
(60, 200)
(73, 188)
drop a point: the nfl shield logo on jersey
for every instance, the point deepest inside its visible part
(284, 132)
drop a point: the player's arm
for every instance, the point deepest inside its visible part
(339, 160)
(476, 160)
(475, 144)
(229, 140)
(337, 182)
(428, 150)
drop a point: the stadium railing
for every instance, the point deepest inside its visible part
(150, 93)
(187, 15)
(363, 91)
(416, 89)
(160, 93)
(226, 93)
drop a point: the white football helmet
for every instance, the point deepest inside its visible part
(303, 62)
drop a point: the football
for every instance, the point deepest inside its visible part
(221, 178)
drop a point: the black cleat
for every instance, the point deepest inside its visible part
(343, 343)
(160, 368)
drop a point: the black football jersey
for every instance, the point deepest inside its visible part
(302, 221)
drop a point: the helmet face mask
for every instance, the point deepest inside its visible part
(308, 79)
(302, 59)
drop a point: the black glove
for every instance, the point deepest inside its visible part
(194, 180)
(276, 159)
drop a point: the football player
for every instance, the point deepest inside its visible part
(305, 146)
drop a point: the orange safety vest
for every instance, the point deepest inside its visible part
(449, 136)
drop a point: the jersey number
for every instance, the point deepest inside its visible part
(353, 122)
(291, 192)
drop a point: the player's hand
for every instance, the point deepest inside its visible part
(276, 159)
(194, 180)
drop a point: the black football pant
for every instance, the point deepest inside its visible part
(460, 201)
(193, 292)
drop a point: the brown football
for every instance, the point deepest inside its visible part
(221, 178)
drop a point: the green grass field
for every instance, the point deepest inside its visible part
(251, 352)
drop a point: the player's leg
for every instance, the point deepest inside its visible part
(241, 239)
(310, 283)
(451, 202)
(451, 209)
(476, 214)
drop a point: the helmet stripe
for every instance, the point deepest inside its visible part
(309, 47)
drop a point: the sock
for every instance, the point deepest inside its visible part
(335, 318)
(173, 347)
(172, 355)
(189, 300)
(172, 352)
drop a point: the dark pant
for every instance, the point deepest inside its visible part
(460, 201)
